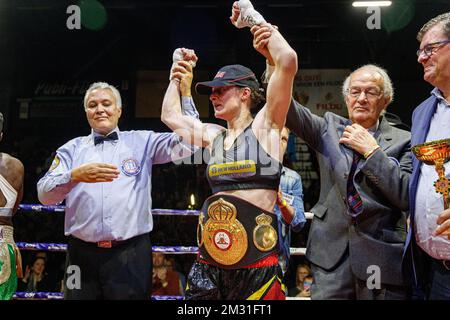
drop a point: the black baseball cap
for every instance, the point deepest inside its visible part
(232, 75)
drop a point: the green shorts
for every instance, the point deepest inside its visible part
(8, 275)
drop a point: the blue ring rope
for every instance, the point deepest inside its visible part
(158, 212)
(61, 247)
(60, 296)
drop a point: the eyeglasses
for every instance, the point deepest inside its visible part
(370, 93)
(431, 48)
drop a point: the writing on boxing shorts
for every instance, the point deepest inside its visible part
(73, 280)
(374, 280)
(73, 22)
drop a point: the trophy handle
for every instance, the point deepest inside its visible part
(440, 169)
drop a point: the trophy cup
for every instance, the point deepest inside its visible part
(436, 153)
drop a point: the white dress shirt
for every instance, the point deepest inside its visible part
(429, 203)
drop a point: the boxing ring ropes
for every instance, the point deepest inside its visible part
(61, 247)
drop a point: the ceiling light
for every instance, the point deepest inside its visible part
(371, 3)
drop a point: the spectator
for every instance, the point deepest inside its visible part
(35, 278)
(171, 265)
(289, 207)
(165, 282)
(303, 281)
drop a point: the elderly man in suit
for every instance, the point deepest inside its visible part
(358, 233)
(359, 228)
(429, 237)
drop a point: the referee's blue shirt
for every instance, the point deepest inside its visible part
(116, 210)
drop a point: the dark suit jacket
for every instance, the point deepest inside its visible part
(415, 260)
(377, 235)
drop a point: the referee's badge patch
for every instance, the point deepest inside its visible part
(130, 167)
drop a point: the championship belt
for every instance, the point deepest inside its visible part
(225, 225)
(6, 240)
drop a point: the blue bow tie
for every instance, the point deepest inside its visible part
(99, 139)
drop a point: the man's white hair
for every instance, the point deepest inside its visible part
(103, 85)
(388, 89)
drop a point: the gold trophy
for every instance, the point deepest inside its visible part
(436, 153)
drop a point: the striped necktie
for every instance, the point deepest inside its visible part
(353, 199)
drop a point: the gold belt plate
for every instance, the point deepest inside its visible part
(265, 237)
(224, 237)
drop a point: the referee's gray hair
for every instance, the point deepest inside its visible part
(1, 122)
(388, 89)
(102, 85)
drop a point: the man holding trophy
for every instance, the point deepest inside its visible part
(429, 236)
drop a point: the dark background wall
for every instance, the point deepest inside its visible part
(137, 35)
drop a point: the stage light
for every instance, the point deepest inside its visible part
(371, 3)
(93, 14)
